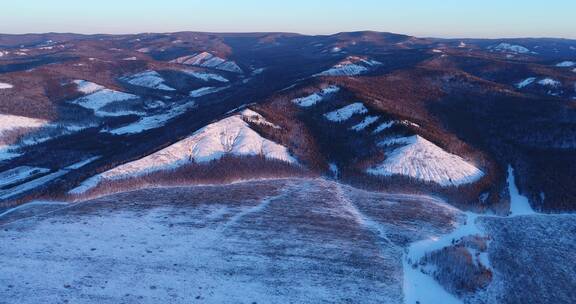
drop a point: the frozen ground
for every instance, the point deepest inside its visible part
(271, 241)
(275, 241)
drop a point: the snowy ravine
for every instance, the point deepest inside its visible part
(422, 288)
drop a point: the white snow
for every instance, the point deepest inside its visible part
(519, 204)
(365, 123)
(98, 97)
(12, 122)
(313, 99)
(206, 91)
(566, 64)
(526, 82)
(255, 118)
(346, 112)
(4, 86)
(148, 79)
(549, 82)
(11, 192)
(206, 76)
(383, 126)
(87, 87)
(153, 121)
(81, 163)
(208, 60)
(422, 288)
(231, 135)
(421, 159)
(19, 174)
(351, 66)
(512, 48)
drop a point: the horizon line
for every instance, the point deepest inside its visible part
(291, 33)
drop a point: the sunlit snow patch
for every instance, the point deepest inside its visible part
(421, 159)
(549, 82)
(206, 91)
(510, 48)
(519, 204)
(148, 79)
(365, 123)
(4, 86)
(346, 112)
(351, 66)
(98, 96)
(313, 99)
(208, 60)
(526, 82)
(152, 121)
(206, 76)
(566, 64)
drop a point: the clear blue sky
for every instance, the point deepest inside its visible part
(440, 18)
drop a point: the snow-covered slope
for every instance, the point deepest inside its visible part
(4, 86)
(526, 82)
(148, 79)
(152, 121)
(365, 123)
(346, 112)
(313, 99)
(206, 76)
(509, 48)
(351, 66)
(420, 159)
(549, 82)
(566, 64)
(20, 174)
(207, 60)
(12, 122)
(231, 136)
(206, 91)
(98, 96)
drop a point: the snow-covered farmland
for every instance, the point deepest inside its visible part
(314, 98)
(148, 79)
(420, 159)
(346, 112)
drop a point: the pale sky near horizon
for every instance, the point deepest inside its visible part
(440, 18)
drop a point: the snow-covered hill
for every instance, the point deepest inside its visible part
(229, 136)
(98, 97)
(148, 79)
(509, 48)
(421, 159)
(208, 60)
(314, 98)
(351, 66)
